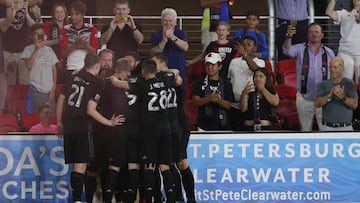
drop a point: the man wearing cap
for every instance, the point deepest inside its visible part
(213, 96)
(337, 95)
(241, 70)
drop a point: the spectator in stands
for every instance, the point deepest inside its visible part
(16, 36)
(213, 12)
(78, 38)
(290, 12)
(213, 96)
(34, 10)
(241, 70)
(40, 61)
(223, 46)
(6, 15)
(349, 48)
(258, 102)
(45, 126)
(123, 30)
(252, 21)
(335, 95)
(312, 67)
(171, 41)
(59, 18)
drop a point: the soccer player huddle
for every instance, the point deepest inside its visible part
(129, 119)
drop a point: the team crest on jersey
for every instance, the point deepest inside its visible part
(223, 56)
(132, 80)
(97, 97)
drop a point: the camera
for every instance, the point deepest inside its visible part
(121, 19)
(41, 37)
(293, 23)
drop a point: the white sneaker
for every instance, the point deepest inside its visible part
(77, 202)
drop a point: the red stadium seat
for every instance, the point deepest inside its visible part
(277, 126)
(290, 79)
(273, 77)
(268, 66)
(285, 66)
(30, 119)
(291, 121)
(286, 91)
(16, 99)
(198, 70)
(8, 123)
(285, 106)
(54, 120)
(192, 113)
(285, 111)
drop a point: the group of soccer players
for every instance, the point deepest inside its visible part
(126, 117)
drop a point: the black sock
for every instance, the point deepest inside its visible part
(121, 190)
(110, 185)
(77, 182)
(90, 187)
(148, 184)
(133, 184)
(188, 182)
(176, 183)
(157, 186)
(103, 180)
(168, 183)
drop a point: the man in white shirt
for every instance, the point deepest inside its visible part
(241, 70)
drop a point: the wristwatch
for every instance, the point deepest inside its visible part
(287, 36)
(328, 98)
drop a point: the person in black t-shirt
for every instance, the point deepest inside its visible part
(155, 142)
(123, 29)
(161, 65)
(213, 96)
(180, 134)
(76, 107)
(101, 132)
(132, 130)
(224, 46)
(117, 140)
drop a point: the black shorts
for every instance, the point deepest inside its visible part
(117, 147)
(101, 135)
(79, 148)
(133, 143)
(155, 144)
(184, 137)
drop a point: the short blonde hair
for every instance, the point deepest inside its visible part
(223, 23)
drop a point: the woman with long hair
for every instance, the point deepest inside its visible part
(258, 102)
(59, 18)
(349, 44)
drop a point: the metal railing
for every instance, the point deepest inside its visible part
(267, 21)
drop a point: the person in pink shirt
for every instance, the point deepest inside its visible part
(45, 126)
